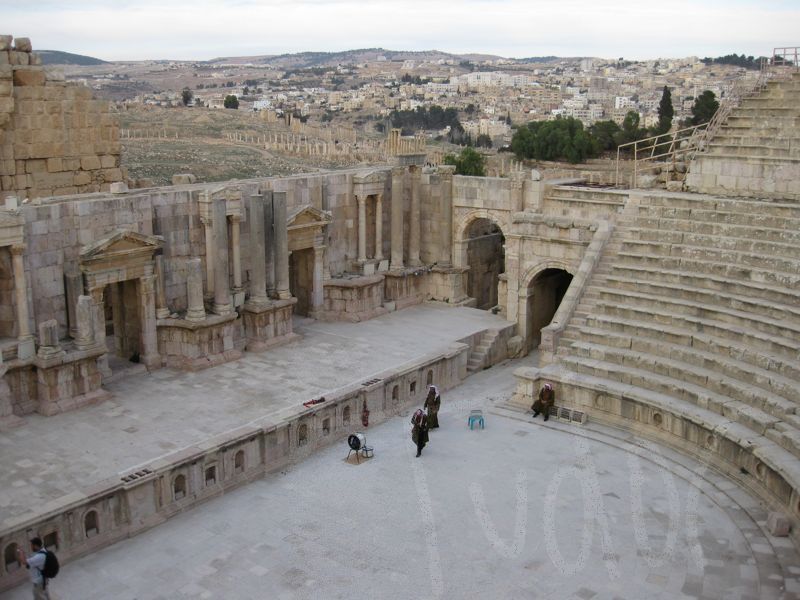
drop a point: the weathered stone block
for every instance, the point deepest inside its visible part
(5, 42)
(29, 76)
(778, 525)
(22, 44)
(90, 163)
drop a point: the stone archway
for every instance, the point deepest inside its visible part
(118, 273)
(481, 249)
(545, 288)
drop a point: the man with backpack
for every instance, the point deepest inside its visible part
(42, 564)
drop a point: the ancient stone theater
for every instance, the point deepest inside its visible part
(670, 313)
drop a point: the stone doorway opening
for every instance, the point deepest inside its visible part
(545, 293)
(301, 280)
(486, 261)
(123, 323)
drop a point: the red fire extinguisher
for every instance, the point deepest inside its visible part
(365, 415)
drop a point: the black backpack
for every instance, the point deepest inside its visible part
(51, 566)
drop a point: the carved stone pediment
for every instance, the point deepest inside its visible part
(370, 177)
(308, 216)
(121, 243)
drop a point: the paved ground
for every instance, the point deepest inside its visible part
(519, 510)
(151, 415)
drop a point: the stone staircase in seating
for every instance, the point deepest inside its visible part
(478, 358)
(756, 152)
(690, 325)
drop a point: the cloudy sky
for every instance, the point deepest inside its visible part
(203, 29)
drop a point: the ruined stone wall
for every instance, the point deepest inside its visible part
(54, 138)
(57, 228)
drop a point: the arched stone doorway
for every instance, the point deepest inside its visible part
(546, 290)
(486, 261)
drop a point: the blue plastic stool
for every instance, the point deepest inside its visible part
(475, 417)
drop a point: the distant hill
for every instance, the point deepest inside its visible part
(303, 60)
(56, 57)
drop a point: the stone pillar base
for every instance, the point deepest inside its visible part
(268, 324)
(69, 380)
(191, 346)
(352, 299)
(449, 284)
(405, 287)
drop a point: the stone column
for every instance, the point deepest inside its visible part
(73, 288)
(162, 312)
(209, 235)
(379, 227)
(397, 217)
(21, 291)
(446, 215)
(362, 228)
(281, 246)
(222, 290)
(25, 345)
(237, 255)
(84, 338)
(147, 317)
(269, 247)
(318, 289)
(99, 316)
(194, 291)
(413, 236)
(258, 263)
(48, 340)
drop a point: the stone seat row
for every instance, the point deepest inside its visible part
(714, 268)
(654, 250)
(725, 298)
(701, 350)
(772, 234)
(773, 352)
(680, 397)
(773, 382)
(775, 217)
(722, 204)
(764, 335)
(690, 383)
(692, 280)
(744, 245)
(780, 321)
(754, 150)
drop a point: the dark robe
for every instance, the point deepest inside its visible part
(419, 432)
(432, 403)
(544, 402)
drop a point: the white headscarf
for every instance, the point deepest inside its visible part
(434, 388)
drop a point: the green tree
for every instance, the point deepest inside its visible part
(468, 162)
(630, 129)
(704, 108)
(483, 141)
(231, 101)
(605, 132)
(562, 139)
(665, 112)
(186, 96)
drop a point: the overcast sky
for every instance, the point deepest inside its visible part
(204, 29)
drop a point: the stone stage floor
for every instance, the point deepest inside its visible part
(155, 414)
(520, 510)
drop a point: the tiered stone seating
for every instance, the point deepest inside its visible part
(696, 307)
(756, 152)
